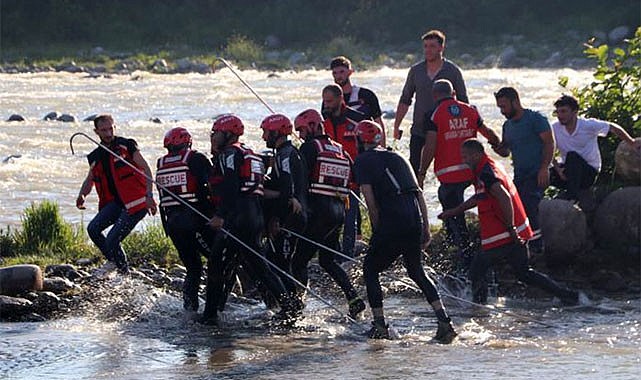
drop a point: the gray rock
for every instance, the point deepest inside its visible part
(296, 58)
(155, 120)
(507, 57)
(20, 278)
(51, 116)
(122, 66)
(12, 307)
(67, 118)
(16, 117)
(617, 222)
(58, 285)
(389, 114)
(32, 317)
(564, 229)
(85, 262)
(201, 68)
(46, 302)
(628, 162)
(177, 284)
(90, 118)
(58, 270)
(183, 65)
(618, 34)
(178, 271)
(272, 42)
(273, 75)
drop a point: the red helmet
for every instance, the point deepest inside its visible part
(279, 123)
(305, 118)
(228, 123)
(177, 136)
(369, 132)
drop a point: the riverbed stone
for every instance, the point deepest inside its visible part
(90, 117)
(13, 307)
(564, 229)
(67, 118)
(67, 271)
(177, 271)
(618, 34)
(628, 161)
(58, 285)
(46, 302)
(617, 221)
(53, 115)
(16, 117)
(17, 279)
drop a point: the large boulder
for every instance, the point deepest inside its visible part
(617, 220)
(20, 278)
(564, 229)
(628, 161)
(11, 307)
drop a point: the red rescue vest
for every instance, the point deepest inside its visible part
(130, 185)
(456, 122)
(494, 232)
(343, 133)
(215, 179)
(251, 172)
(331, 174)
(174, 174)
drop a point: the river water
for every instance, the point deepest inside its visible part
(598, 341)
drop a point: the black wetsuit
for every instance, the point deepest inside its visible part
(325, 221)
(400, 227)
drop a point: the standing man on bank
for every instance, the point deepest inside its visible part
(400, 226)
(420, 80)
(359, 98)
(528, 136)
(124, 195)
(451, 123)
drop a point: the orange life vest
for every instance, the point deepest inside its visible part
(494, 232)
(130, 185)
(331, 174)
(173, 174)
(456, 122)
(343, 133)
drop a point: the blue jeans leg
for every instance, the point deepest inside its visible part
(106, 217)
(123, 226)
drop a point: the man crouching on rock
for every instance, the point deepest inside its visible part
(504, 226)
(398, 216)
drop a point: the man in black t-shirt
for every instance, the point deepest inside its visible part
(124, 194)
(360, 98)
(398, 216)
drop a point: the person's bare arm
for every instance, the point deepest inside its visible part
(543, 177)
(401, 111)
(142, 163)
(427, 155)
(85, 189)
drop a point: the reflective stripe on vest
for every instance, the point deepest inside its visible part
(331, 173)
(504, 235)
(173, 173)
(452, 168)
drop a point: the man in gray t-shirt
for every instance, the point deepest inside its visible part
(419, 81)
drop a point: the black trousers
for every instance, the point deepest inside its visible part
(383, 250)
(580, 175)
(416, 147)
(324, 224)
(517, 256)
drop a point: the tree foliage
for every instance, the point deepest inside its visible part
(614, 95)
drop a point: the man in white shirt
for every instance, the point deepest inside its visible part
(576, 141)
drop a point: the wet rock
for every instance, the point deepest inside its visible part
(70, 67)
(51, 116)
(618, 34)
(67, 118)
(201, 68)
(16, 117)
(608, 280)
(90, 117)
(58, 285)
(155, 120)
(13, 307)
(122, 66)
(20, 278)
(178, 271)
(617, 220)
(141, 276)
(84, 262)
(32, 317)
(628, 162)
(564, 228)
(273, 75)
(67, 271)
(46, 302)
(389, 114)
(160, 66)
(177, 284)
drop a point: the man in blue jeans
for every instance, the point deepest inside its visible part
(528, 136)
(124, 194)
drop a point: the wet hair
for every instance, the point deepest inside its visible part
(102, 118)
(474, 145)
(434, 34)
(567, 100)
(334, 89)
(340, 61)
(443, 87)
(508, 93)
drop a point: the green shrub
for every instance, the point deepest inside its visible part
(614, 95)
(243, 50)
(150, 245)
(44, 230)
(7, 243)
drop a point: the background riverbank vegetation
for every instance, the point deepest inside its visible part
(296, 33)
